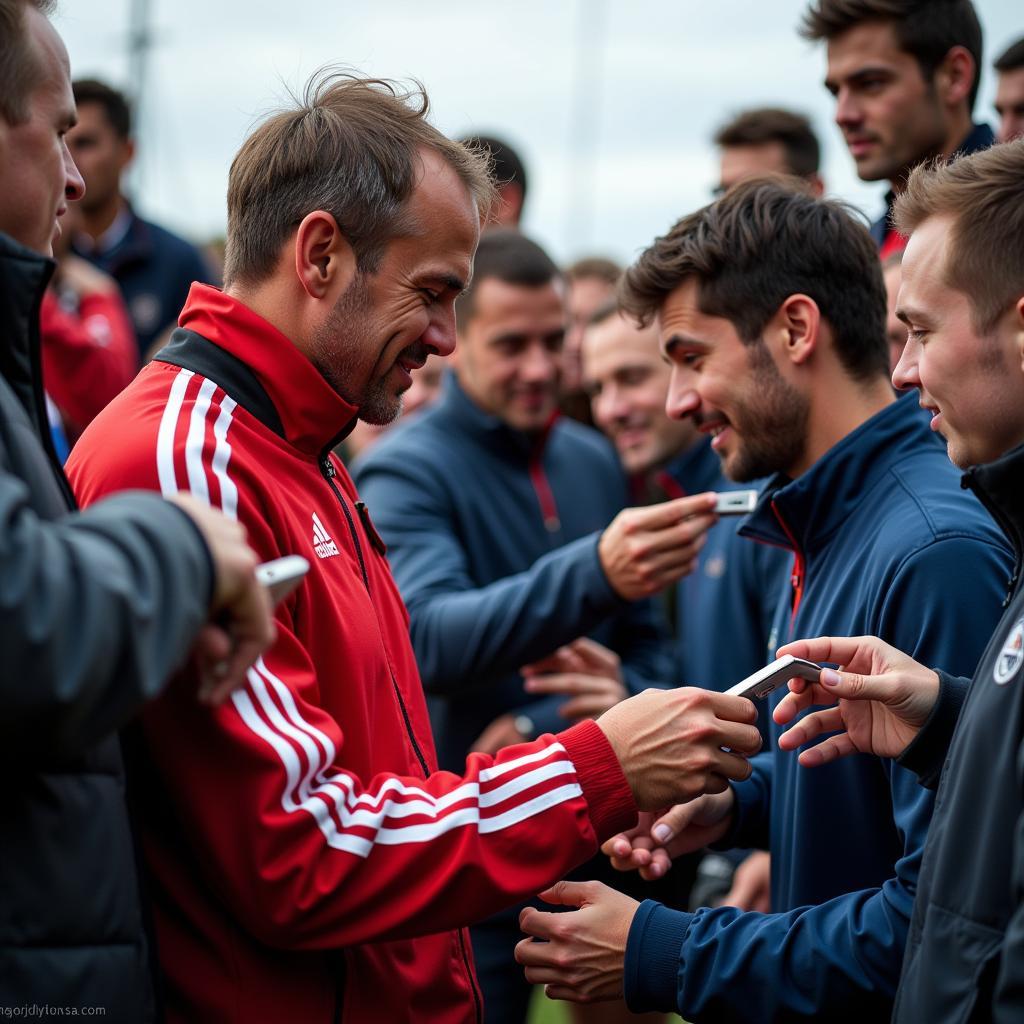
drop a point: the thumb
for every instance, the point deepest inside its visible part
(566, 894)
(854, 686)
(673, 821)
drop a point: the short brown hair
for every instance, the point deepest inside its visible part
(599, 268)
(984, 195)
(926, 29)
(1011, 58)
(20, 68)
(116, 108)
(507, 255)
(349, 147)
(760, 243)
(773, 124)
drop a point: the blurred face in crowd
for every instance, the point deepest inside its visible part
(38, 178)
(971, 383)
(586, 295)
(890, 116)
(895, 329)
(1010, 104)
(101, 154)
(391, 320)
(509, 360)
(627, 381)
(731, 391)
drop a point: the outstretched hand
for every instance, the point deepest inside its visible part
(582, 955)
(586, 672)
(876, 703)
(660, 837)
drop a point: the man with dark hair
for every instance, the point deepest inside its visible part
(309, 861)
(768, 140)
(97, 609)
(962, 300)
(721, 612)
(509, 174)
(771, 308)
(1010, 91)
(153, 267)
(496, 516)
(905, 76)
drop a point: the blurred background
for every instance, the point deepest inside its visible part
(612, 103)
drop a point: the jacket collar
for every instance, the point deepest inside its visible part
(998, 486)
(697, 469)
(980, 137)
(491, 430)
(24, 276)
(805, 513)
(310, 415)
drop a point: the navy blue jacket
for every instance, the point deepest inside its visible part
(980, 137)
(724, 610)
(881, 530)
(493, 580)
(155, 270)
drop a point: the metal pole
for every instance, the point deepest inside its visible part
(588, 94)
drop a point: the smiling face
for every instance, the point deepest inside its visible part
(37, 175)
(730, 390)
(972, 383)
(389, 321)
(510, 352)
(628, 385)
(890, 116)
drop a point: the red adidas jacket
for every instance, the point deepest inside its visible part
(308, 860)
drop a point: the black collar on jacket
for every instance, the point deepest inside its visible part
(998, 486)
(24, 275)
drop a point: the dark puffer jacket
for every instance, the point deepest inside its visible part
(96, 611)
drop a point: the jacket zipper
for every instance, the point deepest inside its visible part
(545, 497)
(796, 578)
(1008, 528)
(477, 1000)
(327, 468)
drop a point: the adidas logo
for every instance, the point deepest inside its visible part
(322, 543)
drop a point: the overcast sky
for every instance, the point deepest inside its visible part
(611, 102)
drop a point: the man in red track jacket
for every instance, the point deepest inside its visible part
(308, 861)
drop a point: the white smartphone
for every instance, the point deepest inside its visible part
(735, 503)
(772, 676)
(282, 575)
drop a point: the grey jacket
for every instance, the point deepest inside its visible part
(97, 610)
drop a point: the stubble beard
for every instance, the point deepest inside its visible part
(337, 349)
(773, 425)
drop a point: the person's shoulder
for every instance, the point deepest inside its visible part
(927, 487)
(118, 450)
(577, 440)
(416, 441)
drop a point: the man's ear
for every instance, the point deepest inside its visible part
(325, 263)
(795, 328)
(954, 77)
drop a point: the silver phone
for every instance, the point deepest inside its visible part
(282, 575)
(772, 676)
(735, 503)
